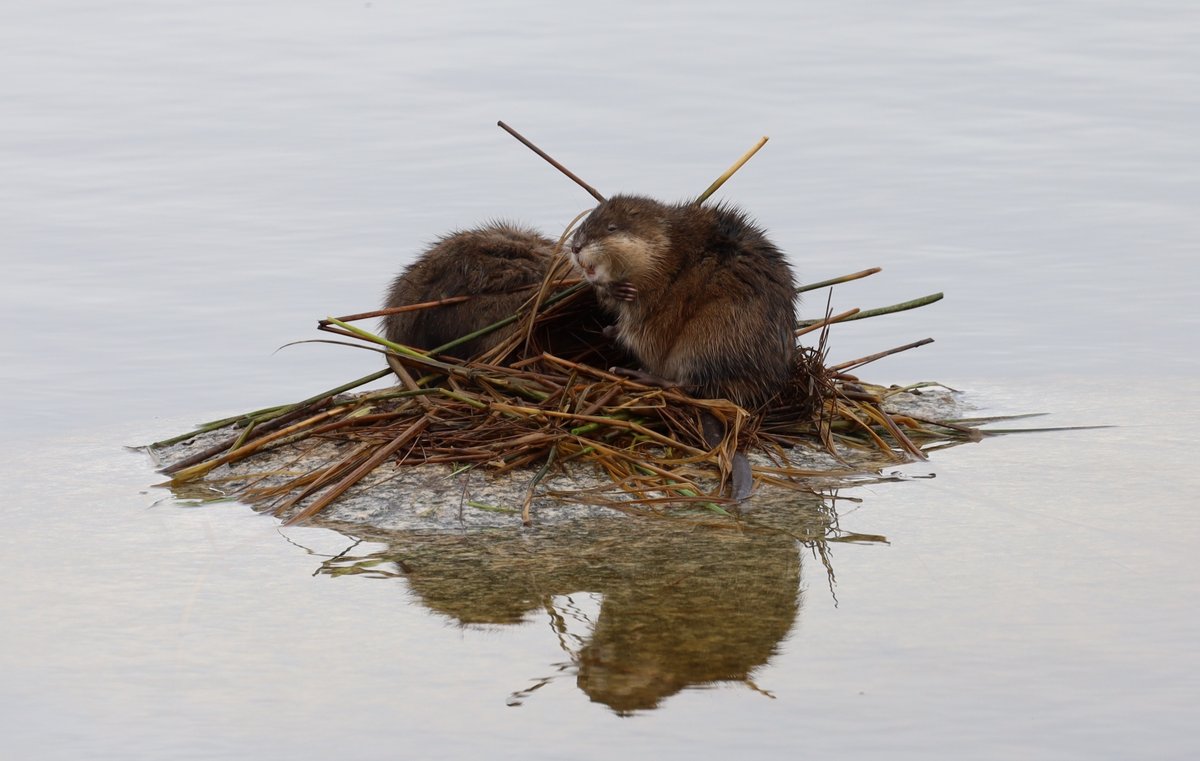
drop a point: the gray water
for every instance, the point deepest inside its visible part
(188, 186)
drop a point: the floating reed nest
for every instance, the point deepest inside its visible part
(541, 400)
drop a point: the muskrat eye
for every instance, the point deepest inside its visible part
(612, 227)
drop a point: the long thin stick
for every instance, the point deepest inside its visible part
(508, 320)
(551, 272)
(234, 442)
(196, 471)
(902, 306)
(729, 172)
(439, 303)
(243, 420)
(269, 413)
(331, 392)
(834, 281)
(594, 193)
(879, 355)
(827, 321)
(406, 308)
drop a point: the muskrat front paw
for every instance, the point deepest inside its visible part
(624, 291)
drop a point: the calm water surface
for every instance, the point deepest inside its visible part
(189, 186)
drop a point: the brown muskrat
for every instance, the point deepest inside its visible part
(701, 296)
(497, 263)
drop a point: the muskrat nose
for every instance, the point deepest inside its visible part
(576, 247)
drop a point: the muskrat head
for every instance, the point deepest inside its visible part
(622, 240)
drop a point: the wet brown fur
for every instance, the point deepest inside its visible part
(495, 263)
(715, 304)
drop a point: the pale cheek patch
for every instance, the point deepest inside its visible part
(593, 270)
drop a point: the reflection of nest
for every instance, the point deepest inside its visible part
(680, 603)
(538, 400)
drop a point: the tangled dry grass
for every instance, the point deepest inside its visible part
(541, 399)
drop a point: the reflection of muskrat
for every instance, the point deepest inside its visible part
(702, 298)
(496, 264)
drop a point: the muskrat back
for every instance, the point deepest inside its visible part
(497, 264)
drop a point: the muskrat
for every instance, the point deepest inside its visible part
(701, 296)
(497, 264)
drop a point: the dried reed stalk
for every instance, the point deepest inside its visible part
(717, 183)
